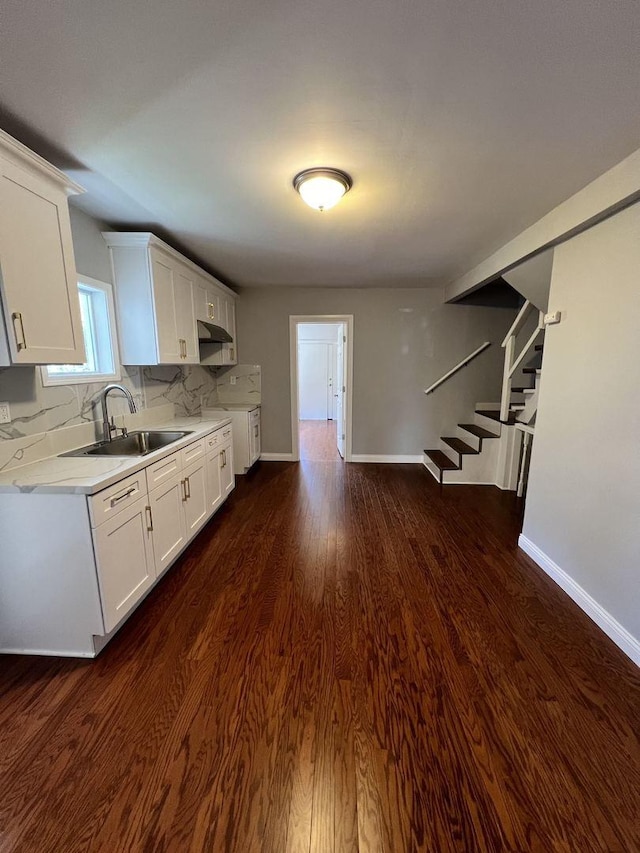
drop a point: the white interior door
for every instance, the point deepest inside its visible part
(313, 380)
(340, 385)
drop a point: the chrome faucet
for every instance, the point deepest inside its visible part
(109, 426)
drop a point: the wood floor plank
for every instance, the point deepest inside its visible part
(348, 659)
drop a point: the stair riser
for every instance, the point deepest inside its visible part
(450, 452)
(431, 468)
(471, 440)
(487, 423)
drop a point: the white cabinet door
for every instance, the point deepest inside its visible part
(167, 522)
(214, 480)
(170, 347)
(254, 441)
(186, 314)
(227, 478)
(39, 284)
(124, 558)
(196, 505)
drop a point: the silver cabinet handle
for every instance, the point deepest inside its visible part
(256, 430)
(21, 344)
(147, 510)
(123, 496)
(188, 485)
(183, 483)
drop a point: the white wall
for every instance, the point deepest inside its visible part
(583, 501)
(404, 339)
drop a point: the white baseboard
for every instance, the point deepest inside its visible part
(612, 628)
(397, 460)
(277, 457)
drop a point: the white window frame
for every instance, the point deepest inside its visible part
(50, 379)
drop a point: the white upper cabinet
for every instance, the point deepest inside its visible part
(38, 284)
(159, 296)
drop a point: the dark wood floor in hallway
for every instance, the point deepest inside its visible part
(347, 659)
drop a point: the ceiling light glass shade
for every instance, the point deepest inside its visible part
(322, 188)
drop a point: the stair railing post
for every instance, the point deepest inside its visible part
(505, 399)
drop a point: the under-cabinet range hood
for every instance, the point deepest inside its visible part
(211, 334)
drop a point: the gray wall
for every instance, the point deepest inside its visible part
(583, 501)
(404, 339)
(35, 408)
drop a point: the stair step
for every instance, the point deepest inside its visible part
(495, 416)
(441, 460)
(479, 432)
(459, 445)
(520, 389)
(531, 370)
(539, 347)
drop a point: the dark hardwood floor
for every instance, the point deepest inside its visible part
(347, 659)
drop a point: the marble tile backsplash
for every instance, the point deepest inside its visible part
(46, 420)
(245, 389)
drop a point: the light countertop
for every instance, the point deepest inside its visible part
(232, 407)
(90, 474)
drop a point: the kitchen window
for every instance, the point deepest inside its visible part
(100, 340)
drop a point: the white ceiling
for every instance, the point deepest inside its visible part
(461, 122)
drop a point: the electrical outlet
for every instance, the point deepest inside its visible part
(233, 379)
(5, 413)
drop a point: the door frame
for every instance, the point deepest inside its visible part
(326, 319)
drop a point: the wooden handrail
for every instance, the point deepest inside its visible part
(458, 367)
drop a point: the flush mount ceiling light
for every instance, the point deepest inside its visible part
(322, 188)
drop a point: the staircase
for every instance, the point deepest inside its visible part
(487, 450)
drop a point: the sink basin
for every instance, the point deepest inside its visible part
(137, 443)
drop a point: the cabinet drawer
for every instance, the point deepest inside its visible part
(109, 502)
(225, 433)
(192, 452)
(161, 471)
(212, 442)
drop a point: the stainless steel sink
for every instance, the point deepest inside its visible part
(137, 443)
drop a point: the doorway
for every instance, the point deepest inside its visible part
(321, 371)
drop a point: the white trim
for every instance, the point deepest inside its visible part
(401, 459)
(611, 627)
(89, 378)
(326, 319)
(20, 154)
(47, 653)
(277, 457)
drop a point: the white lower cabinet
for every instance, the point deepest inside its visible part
(196, 505)
(97, 556)
(124, 559)
(227, 477)
(214, 479)
(167, 522)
